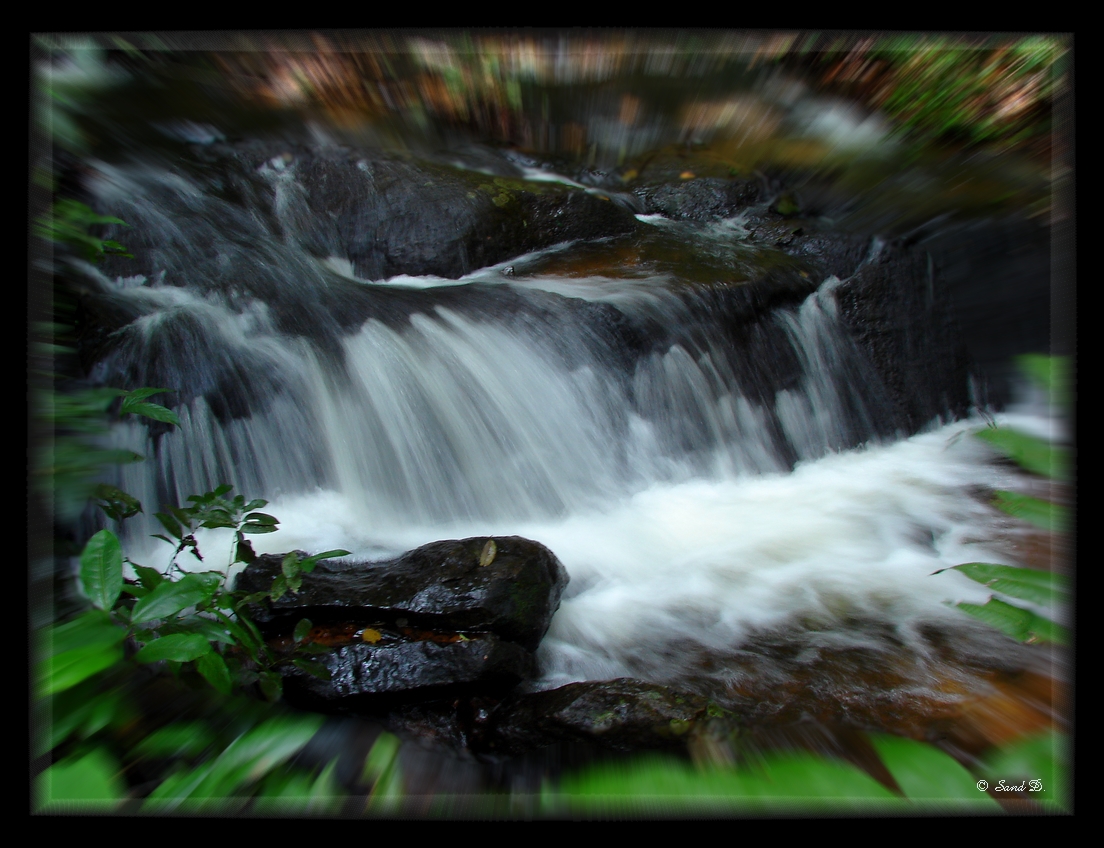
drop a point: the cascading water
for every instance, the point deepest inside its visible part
(711, 477)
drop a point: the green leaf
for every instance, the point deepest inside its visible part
(115, 502)
(315, 669)
(302, 629)
(259, 522)
(1044, 514)
(101, 569)
(211, 580)
(1021, 624)
(170, 598)
(279, 587)
(925, 773)
(1029, 452)
(284, 793)
(222, 490)
(215, 523)
(171, 524)
(244, 551)
(179, 647)
(1039, 587)
(88, 781)
(152, 410)
(213, 667)
(290, 565)
(212, 631)
(252, 628)
(78, 650)
(243, 763)
(784, 781)
(244, 636)
(143, 393)
(1044, 757)
(1051, 373)
(151, 578)
(272, 685)
(258, 528)
(82, 710)
(310, 562)
(179, 739)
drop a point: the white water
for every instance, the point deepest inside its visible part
(663, 485)
(450, 428)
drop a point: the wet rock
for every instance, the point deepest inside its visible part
(417, 668)
(624, 714)
(702, 199)
(440, 586)
(925, 372)
(390, 215)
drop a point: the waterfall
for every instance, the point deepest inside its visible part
(707, 471)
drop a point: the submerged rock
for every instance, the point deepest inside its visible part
(624, 714)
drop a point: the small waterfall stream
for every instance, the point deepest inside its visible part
(714, 477)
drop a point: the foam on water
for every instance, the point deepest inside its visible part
(707, 564)
(657, 469)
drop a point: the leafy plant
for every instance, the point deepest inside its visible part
(994, 91)
(88, 683)
(1041, 588)
(70, 223)
(188, 620)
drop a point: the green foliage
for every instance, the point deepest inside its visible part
(102, 581)
(66, 467)
(781, 782)
(184, 622)
(70, 222)
(81, 782)
(1019, 623)
(170, 622)
(237, 769)
(927, 775)
(1039, 587)
(936, 88)
(796, 782)
(178, 617)
(1040, 762)
(77, 650)
(1029, 452)
(1035, 455)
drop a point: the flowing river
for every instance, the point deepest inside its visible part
(736, 514)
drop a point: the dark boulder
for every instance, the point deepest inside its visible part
(416, 668)
(392, 215)
(507, 585)
(624, 714)
(701, 199)
(898, 310)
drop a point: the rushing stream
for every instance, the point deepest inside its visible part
(721, 475)
(698, 508)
